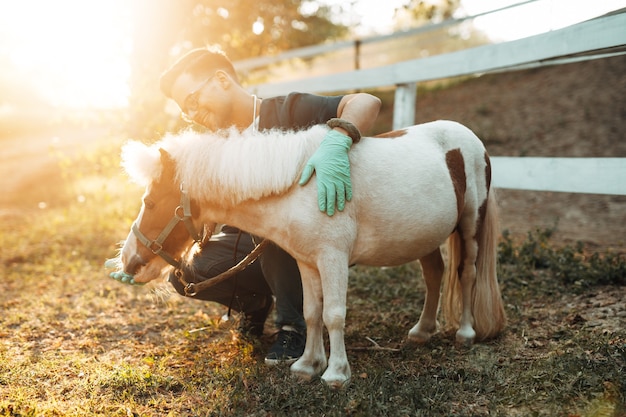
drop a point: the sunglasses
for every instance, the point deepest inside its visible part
(191, 104)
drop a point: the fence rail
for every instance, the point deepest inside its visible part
(596, 38)
(573, 175)
(314, 50)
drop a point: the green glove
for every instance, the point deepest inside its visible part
(124, 278)
(120, 276)
(332, 167)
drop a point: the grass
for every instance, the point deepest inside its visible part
(75, 343)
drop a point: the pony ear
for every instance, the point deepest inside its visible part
(168, 163)
(140, 162)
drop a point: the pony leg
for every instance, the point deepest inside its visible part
(334, 274)
(466, 333)
(313, 361)
(432, 269)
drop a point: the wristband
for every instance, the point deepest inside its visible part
(352, 130)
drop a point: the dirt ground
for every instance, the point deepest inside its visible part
(573, 110)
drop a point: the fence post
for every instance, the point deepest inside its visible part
(404, 105)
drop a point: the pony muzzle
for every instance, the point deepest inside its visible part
(133, 264)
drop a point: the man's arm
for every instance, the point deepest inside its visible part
(360, 109)
(330, 161)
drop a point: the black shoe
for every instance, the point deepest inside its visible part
(289, 346)
(253, 323)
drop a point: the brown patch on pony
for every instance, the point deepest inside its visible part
(393, 134)
(456, 166)
(482, 210)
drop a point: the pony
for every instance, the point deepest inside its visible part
(414, 190)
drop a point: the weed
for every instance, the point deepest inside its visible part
(571, 266)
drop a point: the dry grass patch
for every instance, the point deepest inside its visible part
(75, 343)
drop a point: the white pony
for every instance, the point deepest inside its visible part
(413, 189)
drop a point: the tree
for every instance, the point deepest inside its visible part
(426, 11)
(442, 39)
(249, 28)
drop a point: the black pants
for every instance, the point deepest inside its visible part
(246, 291)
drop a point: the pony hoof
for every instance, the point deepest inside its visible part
(465, 338)
(302, 376)
(305, 372)
(337, 378)
(337, 384)
(422, 333)
(420, 338)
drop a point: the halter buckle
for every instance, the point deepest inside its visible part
(178, 216)
(190, 290)
(154, 244)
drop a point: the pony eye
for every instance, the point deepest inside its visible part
(149, 204)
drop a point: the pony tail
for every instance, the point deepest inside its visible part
(451, 302)
(487, 307)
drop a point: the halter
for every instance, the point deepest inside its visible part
(156, 245)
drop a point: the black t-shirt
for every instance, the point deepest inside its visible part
(297, 111)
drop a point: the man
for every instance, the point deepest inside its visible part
(205, 86)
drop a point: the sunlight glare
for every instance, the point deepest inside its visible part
(368, 17)
(534, 18)
(73, 53)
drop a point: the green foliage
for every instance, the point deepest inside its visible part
(570, 265)
(280, 25)
(429, 11)
(127, 382)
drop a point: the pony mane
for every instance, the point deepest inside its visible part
(141, 162)
(231, 166)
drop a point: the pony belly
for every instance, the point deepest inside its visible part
(391, 237)
(396, 251)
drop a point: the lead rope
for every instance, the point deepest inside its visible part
(232, 298)
(192, 288)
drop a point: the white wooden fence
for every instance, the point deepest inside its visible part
(597, 38)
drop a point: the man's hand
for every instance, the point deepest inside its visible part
(332, 168)
(124, 278)
(120, 275)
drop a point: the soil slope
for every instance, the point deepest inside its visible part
(573, 110)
